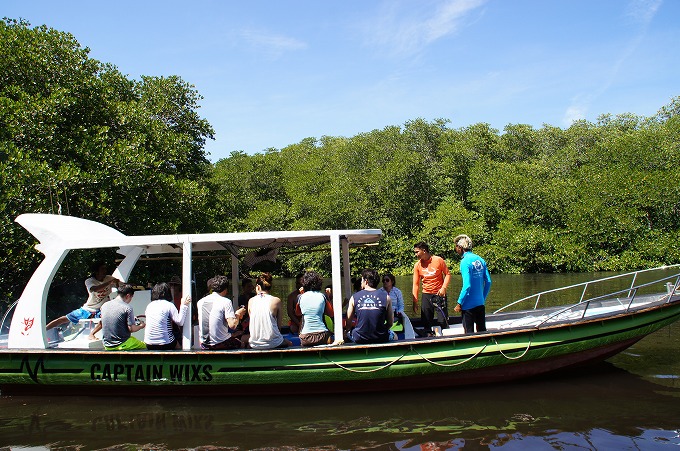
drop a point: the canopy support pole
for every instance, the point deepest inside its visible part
(337, 287)
(234, 281)
(346, 273)
(186, 291)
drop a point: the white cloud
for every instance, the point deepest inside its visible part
(643, 11)
(271, 44)
(406, 31)
(574, 113)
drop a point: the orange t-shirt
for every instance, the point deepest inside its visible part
(432, 273)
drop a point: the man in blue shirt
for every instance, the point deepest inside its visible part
(476, 286)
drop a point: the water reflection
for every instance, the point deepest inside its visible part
(600, 407)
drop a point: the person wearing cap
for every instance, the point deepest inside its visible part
(118, 322)
(476, 286)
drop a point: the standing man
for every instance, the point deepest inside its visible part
(118, 322)
(435, 276)
(476, 286)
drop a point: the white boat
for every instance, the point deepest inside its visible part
(539, 337)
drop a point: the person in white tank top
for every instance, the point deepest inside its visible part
(266, 315)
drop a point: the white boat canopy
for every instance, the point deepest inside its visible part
(57, 235)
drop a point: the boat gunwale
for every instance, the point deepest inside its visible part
(424, 341)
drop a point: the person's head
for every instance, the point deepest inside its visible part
(98, 269)
(371, 277)
(219, 284)
(329, 292)
(421, 250)
(298, 280)
(247, 286)
(161, 291)
(356, 283)
(125, 291)
(264, 281)
(388, 281)
(463, 244)
(312, 281)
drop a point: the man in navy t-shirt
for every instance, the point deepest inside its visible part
(373, 310)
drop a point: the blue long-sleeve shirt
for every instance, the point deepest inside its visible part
(476, 281)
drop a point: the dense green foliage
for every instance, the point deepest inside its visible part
(592, 197)
(79, 137)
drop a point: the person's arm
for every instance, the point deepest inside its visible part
(465, 289)
(136, 327)
(178, 317)
(96, 329)
(109, 280)
(399, 300)
(390, 312)
(293, 308)
(278, 312)
(415, 289)
(132, 327)
(328, 308)
(232, 321)
(487, 284)
(350, 313)
(447, 279)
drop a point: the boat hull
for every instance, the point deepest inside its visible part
(491, 357)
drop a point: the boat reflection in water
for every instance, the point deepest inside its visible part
(600, 407)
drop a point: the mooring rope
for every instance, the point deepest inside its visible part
(453, 364)
(366, 371)
(432, 361)
(513, 358)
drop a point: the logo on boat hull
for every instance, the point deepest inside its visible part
(28, 324)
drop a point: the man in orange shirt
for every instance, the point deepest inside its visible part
(435, 276)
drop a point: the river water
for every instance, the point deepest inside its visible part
(631, 401)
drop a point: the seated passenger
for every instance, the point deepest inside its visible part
(397, 301)
(221, 318)
(312, 306)
(373, 310)
(99, 286)
(118, 322)
(161, 314)
(218, 286)
(266, 314)
(295, 322)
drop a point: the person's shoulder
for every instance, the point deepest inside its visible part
(436, 259)
(222, 300)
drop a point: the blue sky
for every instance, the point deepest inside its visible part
(275, 72)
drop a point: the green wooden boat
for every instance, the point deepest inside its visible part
(545, 332)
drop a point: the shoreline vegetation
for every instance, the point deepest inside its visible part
(80, 138)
